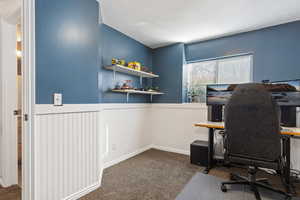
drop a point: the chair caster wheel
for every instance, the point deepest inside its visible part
(223, 188)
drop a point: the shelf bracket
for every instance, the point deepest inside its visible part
(114, 74)
(141, 81)
(127, 97)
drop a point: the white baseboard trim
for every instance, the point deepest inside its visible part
(101, 176)
(130, 155)
(83, 192)
(170, 149)
(125, 157)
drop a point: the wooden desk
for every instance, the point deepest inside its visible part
(220, 125)
(287, 132)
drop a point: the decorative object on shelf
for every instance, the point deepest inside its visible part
(135, 65)
(118, 86)
(146, 69)
(115, 61)
(126, 85)
(136, 69)
(152, 89)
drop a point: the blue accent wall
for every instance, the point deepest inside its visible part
(71, 48)
(117, 45)
(67, 58)
(167, 63)
(276, 51)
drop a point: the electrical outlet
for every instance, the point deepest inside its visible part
(57, 99)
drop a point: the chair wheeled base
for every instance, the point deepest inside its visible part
(253, 183)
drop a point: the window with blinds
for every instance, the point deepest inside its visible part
(237, 69)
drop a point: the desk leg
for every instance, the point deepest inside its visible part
(210, 150)
(288, 163)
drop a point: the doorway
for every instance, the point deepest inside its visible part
(18, 111)
(10, 99)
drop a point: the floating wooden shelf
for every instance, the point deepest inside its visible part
(128, 92)
(127, 70)
(138, 92)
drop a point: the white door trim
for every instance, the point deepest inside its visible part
(28, 30)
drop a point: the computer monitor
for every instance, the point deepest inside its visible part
(286, 93)
(219, 94)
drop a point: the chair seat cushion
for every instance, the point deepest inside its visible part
(257, 163)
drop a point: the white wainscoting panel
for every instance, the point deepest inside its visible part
(73, 143)
(67, 152)
(172, 126)
(126, 131)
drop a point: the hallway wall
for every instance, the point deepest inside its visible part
(8, 76)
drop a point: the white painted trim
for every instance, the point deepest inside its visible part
(124, 106)
(28, 66)
(44, 109)
(185, 106)
(101, 175)
(170, 149)
(135, 153)
(83, 192)
(125, 157)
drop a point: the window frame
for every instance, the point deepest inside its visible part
(218, 59)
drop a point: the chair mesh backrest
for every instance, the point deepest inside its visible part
(252, 124)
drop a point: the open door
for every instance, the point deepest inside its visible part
(8, 95)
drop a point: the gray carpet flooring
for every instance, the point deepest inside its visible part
(11, 193)
(159, 175)
(152, 175)
(207, 187)
(156, 175)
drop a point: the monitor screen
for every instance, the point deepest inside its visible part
(219, 94)
(286, 93)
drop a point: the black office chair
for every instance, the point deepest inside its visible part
(252, 135)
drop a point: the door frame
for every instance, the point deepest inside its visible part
(28, 100)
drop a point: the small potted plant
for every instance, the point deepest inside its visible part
(194, 94)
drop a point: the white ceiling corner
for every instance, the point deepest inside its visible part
(157, 23)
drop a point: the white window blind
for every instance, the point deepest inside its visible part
(235, 70)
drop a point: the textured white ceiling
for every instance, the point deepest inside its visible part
(157, 23)
(10, 10)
